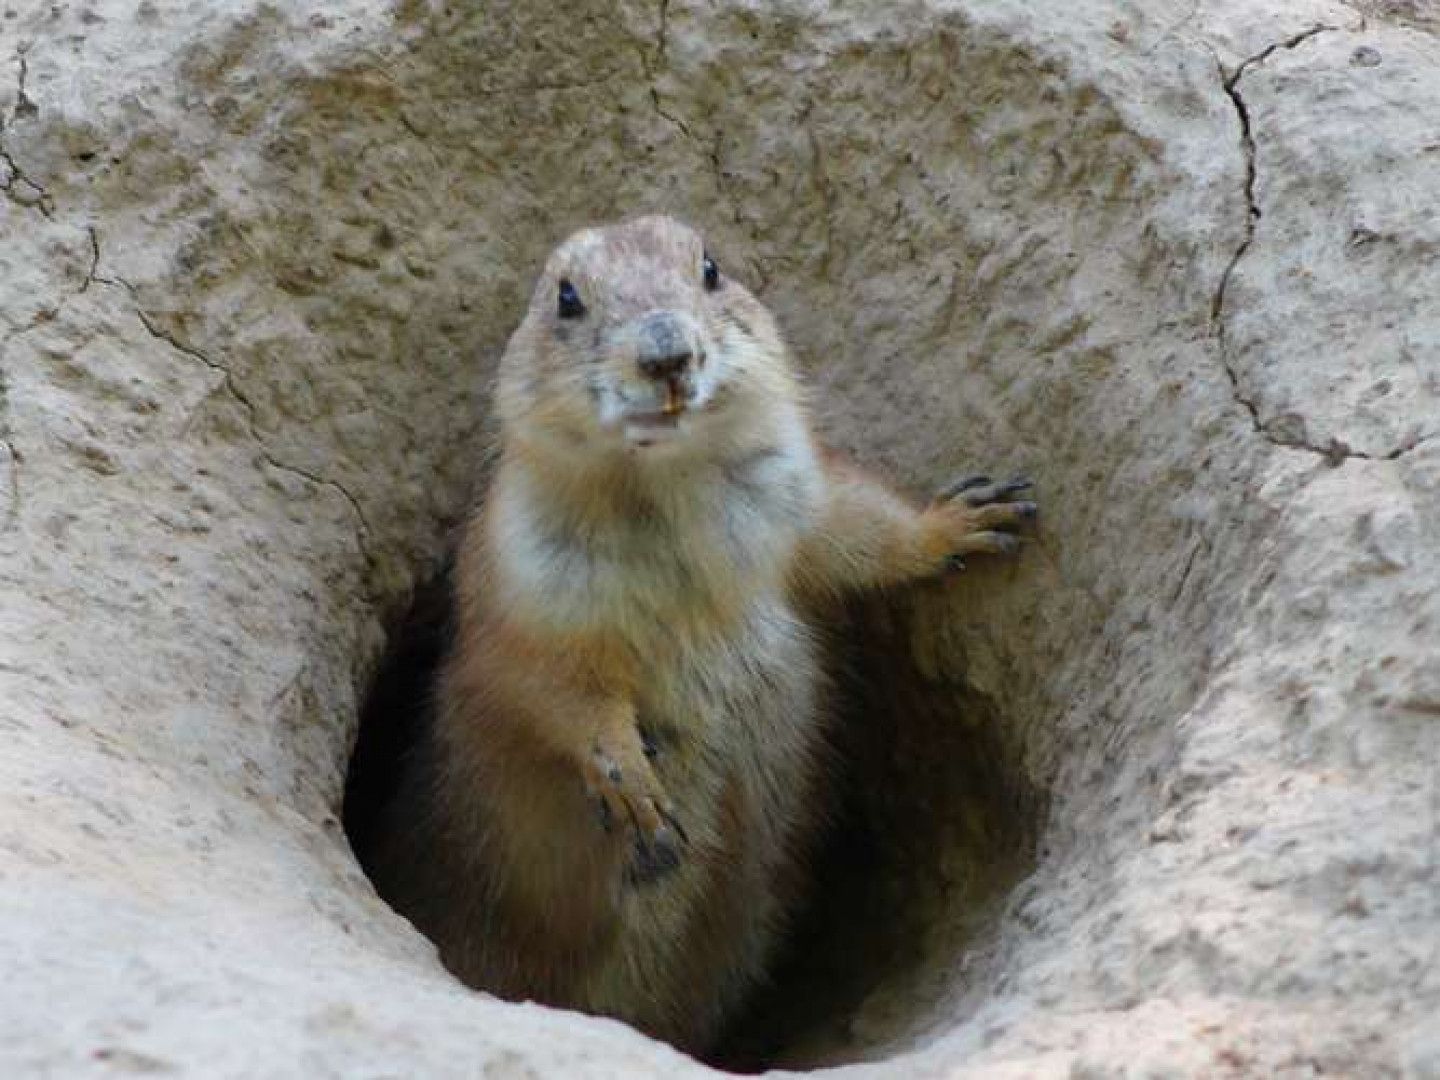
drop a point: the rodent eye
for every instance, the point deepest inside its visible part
(570, 304)
(711, 272)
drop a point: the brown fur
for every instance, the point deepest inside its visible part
(615, 584)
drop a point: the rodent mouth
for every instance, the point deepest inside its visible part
(646, 426)
(656, 419)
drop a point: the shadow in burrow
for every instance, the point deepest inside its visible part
(931, 825)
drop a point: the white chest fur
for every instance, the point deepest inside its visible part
(703, 539)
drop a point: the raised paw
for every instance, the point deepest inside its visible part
(976, 515)
(628, 798)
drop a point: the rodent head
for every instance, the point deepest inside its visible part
(637, 340)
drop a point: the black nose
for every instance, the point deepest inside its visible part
(659, 367)
(663, 348)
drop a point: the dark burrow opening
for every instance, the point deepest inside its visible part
(932, 824)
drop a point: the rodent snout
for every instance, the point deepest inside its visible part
(666, 345)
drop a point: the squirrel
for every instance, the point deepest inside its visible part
(627, 764)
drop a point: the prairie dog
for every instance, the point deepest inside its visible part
(613, 809)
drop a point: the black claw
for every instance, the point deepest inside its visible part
(954, 563)
(965, 483)
(1027, 510)
(648, 746)
(603, 814)
(1006, 544)
(674, 823)
(652, 860)
(997, 492)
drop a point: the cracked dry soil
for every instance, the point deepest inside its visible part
(1337, 451)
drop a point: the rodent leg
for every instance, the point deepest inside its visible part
(628, 796)
(869, 538)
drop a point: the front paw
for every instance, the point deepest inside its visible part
(975, 515)
(628, 797)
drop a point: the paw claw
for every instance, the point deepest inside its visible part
(994, 493)
(1002, 543)
(964, 483)
(653, 858)
(629, 798)
(674, 823)
(603, 814)
(976, 515)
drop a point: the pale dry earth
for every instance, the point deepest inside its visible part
(1179, 261)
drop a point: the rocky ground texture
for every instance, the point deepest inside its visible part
(1177, 260)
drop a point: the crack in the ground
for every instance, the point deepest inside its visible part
(12, 512)
(227, 381)
(1337, 451)
(653, 64)
(24, 107)
(1200, 545)
(654, 60)
(232, 387)
(670, 117)
(17, 186)
(92, 272)
(664, 33)
(1404, 448)
(1294, 41)
(45, 316)
(20, 189)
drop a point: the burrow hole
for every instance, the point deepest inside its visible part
(932, 825)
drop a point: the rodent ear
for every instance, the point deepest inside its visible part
(571, 306)
(710, 270)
